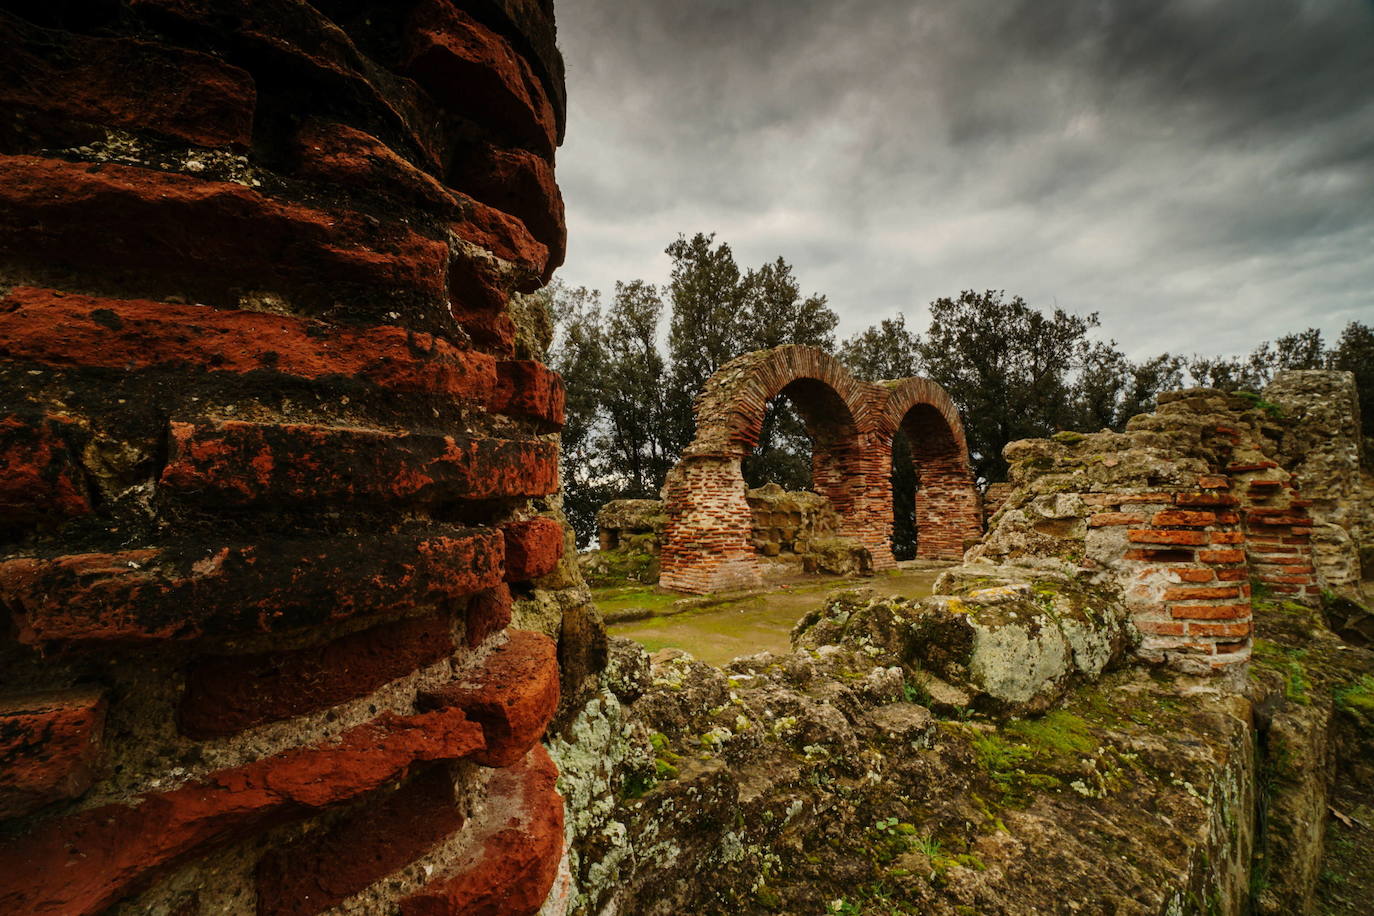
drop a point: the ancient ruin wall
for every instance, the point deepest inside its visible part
(1181, 512)
(851, 423)
(273, 469)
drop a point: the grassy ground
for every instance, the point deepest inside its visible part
(724, 627)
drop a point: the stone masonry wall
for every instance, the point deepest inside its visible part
(273, 478)
(1181, 513)
(784, 521)
(1319, 441)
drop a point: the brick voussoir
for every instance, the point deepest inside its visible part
(154, 594)
(513, 695)
(239, 463)
(81, 864)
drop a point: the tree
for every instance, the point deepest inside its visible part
(1354, 352)
(775, 313)
(704, 332)
(634, 376)
(579, 355)
(1008, 367)
(883, 351)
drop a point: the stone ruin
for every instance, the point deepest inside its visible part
(784, 522)
(709, 531)
(1081, 718)
(278, 467)
(1192, 504)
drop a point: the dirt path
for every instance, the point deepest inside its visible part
(757, 623)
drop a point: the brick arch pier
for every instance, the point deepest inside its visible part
(852, 424)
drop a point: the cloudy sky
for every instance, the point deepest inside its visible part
(1201, 172)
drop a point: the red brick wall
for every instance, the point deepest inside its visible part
(852, 423)
(272, 463)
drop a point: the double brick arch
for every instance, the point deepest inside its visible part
(852, 424)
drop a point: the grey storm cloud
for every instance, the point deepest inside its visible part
(1201, 172)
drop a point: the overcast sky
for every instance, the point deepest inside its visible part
(1201, 172)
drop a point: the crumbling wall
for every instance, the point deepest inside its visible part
(1181, 512)
(622, 520)
(1316, 436)
(274, 480)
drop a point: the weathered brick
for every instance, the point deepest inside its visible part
(273, 586)
(1210, 611)
(1160, 628)
(123, 82)
(226, 694)
(1185, 538)
(513, 695)
(342, 155)
(325, 867)
(1201, 594)
(528, 388)
(109, 216)
(1213, 482)
(533, 548)
(42, 478)
(1228, 537)
(1194, 575)
(1219, 629)
(49, 744)
(1221, 556)
(83, 863)
(239, 463)
(64, 330)
(514, 849)
(476, 73)
(1105, 519)
(519, 183)
(488, 612)
(1184, 518)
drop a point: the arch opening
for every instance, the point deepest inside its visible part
(943, 505)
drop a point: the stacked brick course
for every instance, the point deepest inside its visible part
(707, 544)
(274, 467)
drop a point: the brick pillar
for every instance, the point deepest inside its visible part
(271, 458)
(706, 546)
(870, 520)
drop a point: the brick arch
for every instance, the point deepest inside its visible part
(852, 423)
(947, 503)
(706, 538)
(729, 411)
